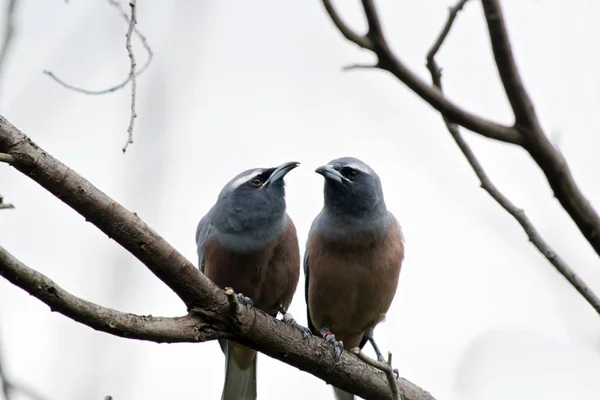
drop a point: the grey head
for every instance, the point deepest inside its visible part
(353, 199)
(250, 211)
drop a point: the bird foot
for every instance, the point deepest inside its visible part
(289, 319)
(247, 301)
(337, 345)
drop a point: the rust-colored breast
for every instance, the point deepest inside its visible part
(352, 287)
(268, 276)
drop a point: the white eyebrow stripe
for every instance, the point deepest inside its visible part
(361, 168)
(245, 178)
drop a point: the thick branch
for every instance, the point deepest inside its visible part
(248, 326)
(534, 237)
(538, 145)
(375, 41)
(156, 329)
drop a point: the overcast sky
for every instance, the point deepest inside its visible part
(479, 313)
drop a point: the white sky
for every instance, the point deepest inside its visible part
(479, 314)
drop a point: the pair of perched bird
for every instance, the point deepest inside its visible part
(354, 252)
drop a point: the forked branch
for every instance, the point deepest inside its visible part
(526, 131)
(534, 237)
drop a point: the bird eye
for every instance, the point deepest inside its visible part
(257, 182)
(353, 174)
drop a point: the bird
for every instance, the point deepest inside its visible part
(353, 257)
(247, 241)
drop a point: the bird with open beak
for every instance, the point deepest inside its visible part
(248, 242)
(353, 257)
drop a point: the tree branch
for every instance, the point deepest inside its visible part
(507, 68)
(248, 326)
(551, 161)
(534, 237)
(156, 329)
(526, 132)
(132, 21)
(117, 5)
(375, 41)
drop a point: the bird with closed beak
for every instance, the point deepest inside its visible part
(248, 242)
(353, 257)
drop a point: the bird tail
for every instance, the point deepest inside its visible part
(240, 372)
(341, 395)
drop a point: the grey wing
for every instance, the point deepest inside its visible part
(203, 232)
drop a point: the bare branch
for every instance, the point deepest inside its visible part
(507, 68)
(132, 21)
(249, 326)
(348, 33)
(375, 41)
(358, 66)
(551, 161)
(131, 74)
(526, 132)
(534, 237)
(156, 329)
(121, 85)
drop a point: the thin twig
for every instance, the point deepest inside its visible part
(360, 40)
(534, 237)
(385, 367)
(131, 73)
(121, 85)
(358, 66)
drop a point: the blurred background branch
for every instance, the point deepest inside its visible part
(131, 77)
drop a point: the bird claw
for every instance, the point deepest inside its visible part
(289, 319)
(247, 301)
(396, 373)
(338, 346)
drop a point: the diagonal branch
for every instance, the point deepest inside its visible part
(551, 161)
(534, 237)
(507, 68)
(248, 326)
(375, 41)
(157, 329)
